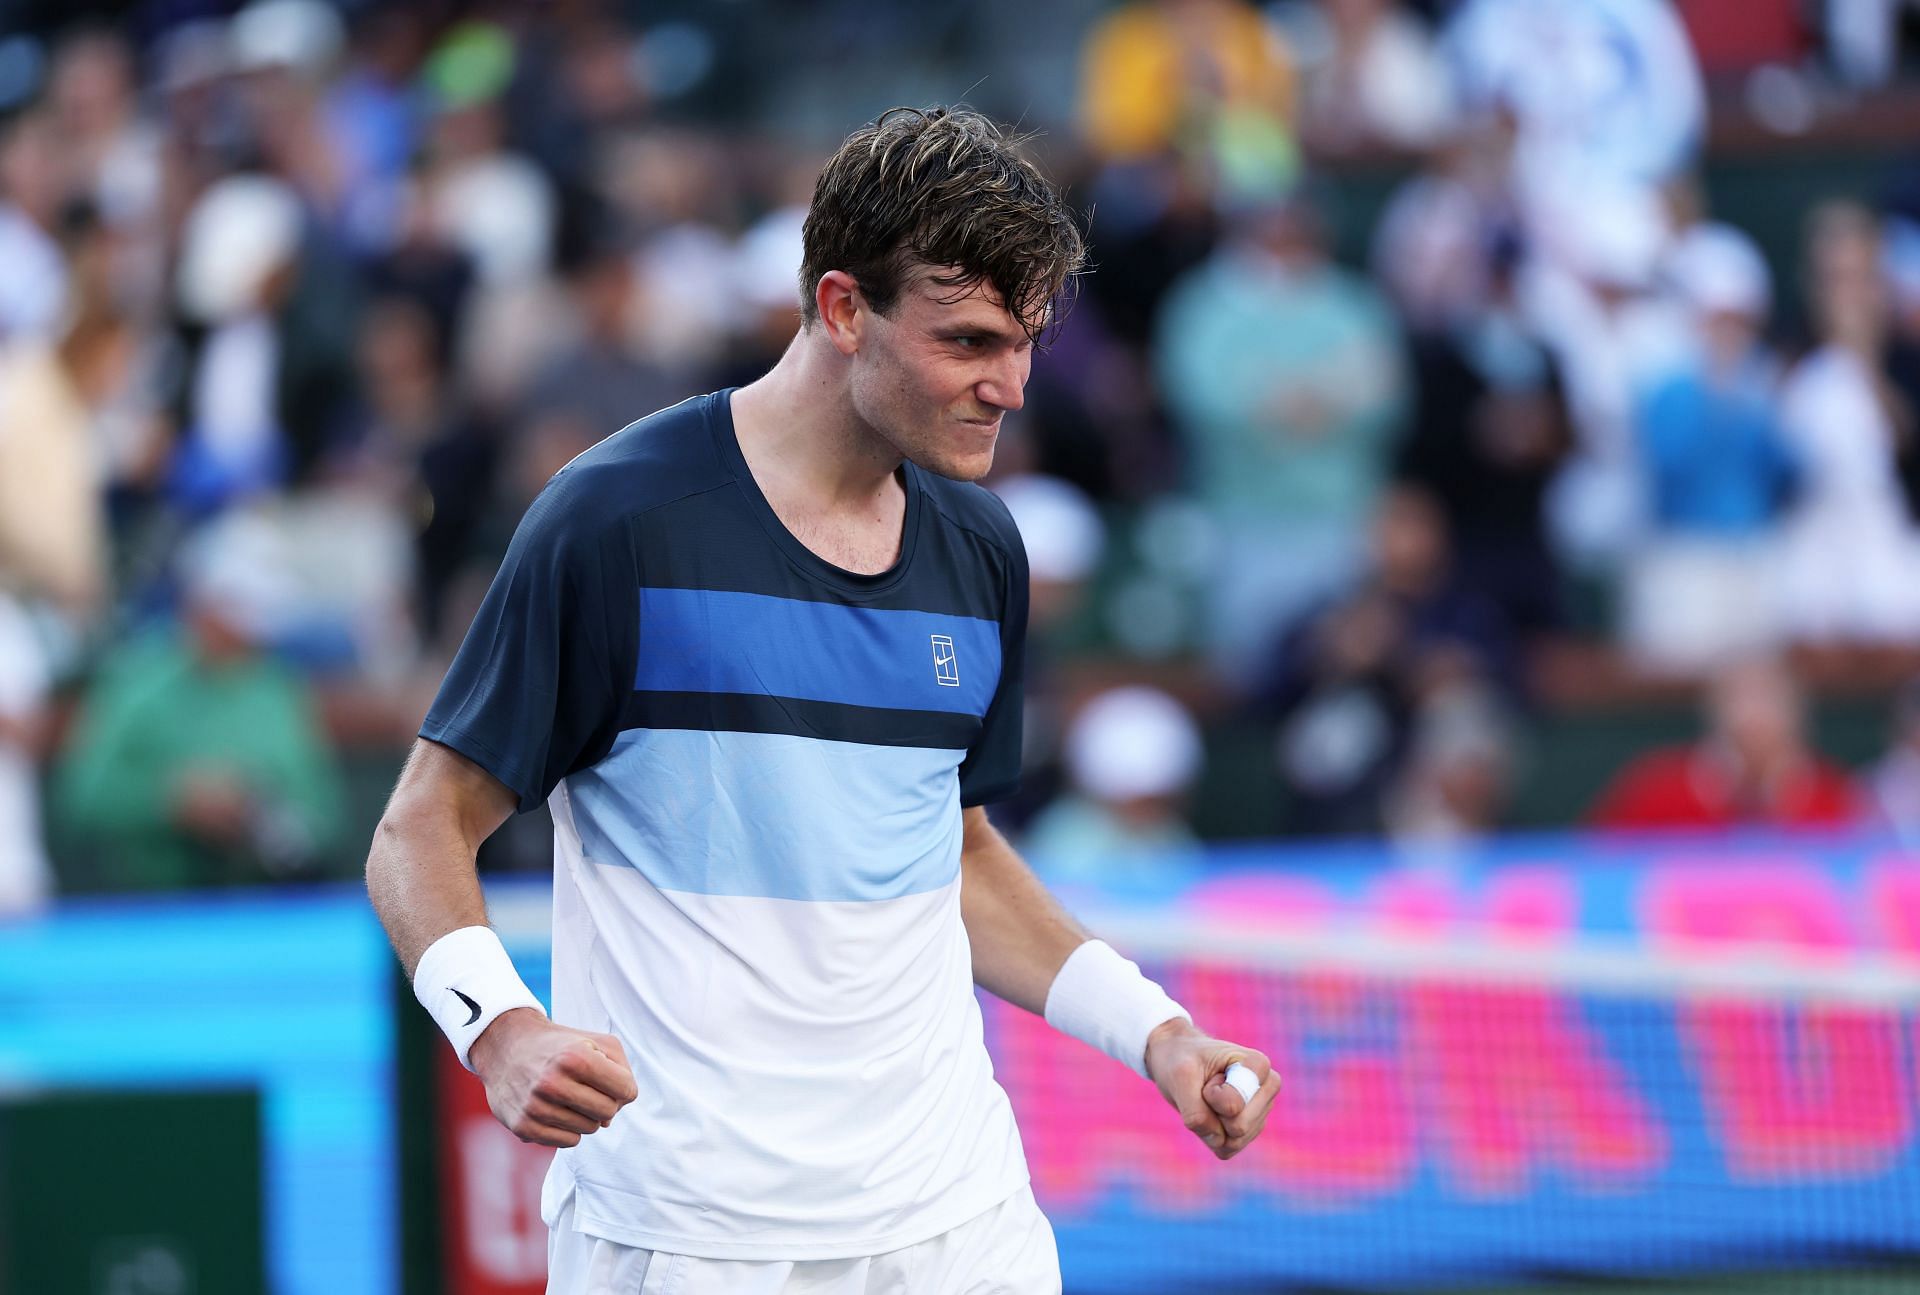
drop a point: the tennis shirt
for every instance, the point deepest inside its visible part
(756, 763)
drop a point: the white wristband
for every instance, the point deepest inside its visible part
(1101, 999)
(465, 980)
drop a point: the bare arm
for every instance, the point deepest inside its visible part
(547, 1083)
(420, 871)
(1019, 932)
(1021, 937)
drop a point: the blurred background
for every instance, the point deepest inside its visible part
(1474, 514)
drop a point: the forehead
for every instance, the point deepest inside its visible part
(978, 303)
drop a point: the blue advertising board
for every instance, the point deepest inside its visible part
(1474, 1092)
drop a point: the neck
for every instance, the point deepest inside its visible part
(802, 438)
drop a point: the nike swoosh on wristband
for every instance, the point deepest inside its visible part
(470, 1003)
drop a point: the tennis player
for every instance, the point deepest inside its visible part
(760, 653)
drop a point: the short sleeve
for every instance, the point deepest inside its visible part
(991, 770)
(537, 689)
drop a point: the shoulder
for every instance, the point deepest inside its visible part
(660, 458)
(977, 512)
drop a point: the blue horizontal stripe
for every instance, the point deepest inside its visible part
(704, 640)
(772, 816)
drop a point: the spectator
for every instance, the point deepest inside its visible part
(766, 267)
(1344, 709)
(1592, 292)
(1372, 78)
(373, 121)
(1452, 229)
(1901, 260)
(271, 376)
(493, 204)
(598, 375)
(1346, 683)
(678, 192)
(1892, 786)
(1283, 375)
(52, 526)
(1066, 541)
(1458, 774)
(281, 55)
(1489, 432)
(113, 154)
(1718, 469)
(26, 877)
(1132, 754)
(1850, 547)
(32, 191)
(1207, 77)
(1754, 768)
(196, 759)
(1607, 93)
(425, 445)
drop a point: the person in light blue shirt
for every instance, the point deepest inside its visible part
(1284, 377)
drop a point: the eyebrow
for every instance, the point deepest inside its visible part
(968, 328)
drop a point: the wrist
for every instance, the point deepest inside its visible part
(495, 1039)
(1103, 1000)
(1165, 1035)
(466, 982)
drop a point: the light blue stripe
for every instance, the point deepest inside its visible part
(770, 815)
(704, 640)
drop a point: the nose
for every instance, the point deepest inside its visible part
(1006, 387)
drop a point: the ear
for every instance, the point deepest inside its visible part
(843, 311)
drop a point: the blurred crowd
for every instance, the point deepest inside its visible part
(304, 301)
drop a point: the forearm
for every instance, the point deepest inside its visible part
(421, 878)
(1019, 933)
(420, 868)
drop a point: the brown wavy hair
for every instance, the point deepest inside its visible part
(941, 187)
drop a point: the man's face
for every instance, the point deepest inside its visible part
(935, 377)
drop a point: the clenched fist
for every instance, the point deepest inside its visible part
(1190, 1069)
(548, 1083)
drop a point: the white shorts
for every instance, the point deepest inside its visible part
(1008, 1250)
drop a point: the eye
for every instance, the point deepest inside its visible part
(969, 341)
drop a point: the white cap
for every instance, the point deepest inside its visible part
(1717, 269)
(243, 228)
(766, 263)
(1059, 525)
(303, 35)
(1617, 234)
(1132, 742)
(500, 211)
(239, 568)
